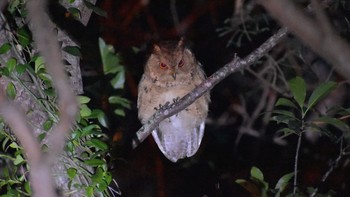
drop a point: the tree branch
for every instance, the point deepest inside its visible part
(316, 33)
(233, 66)
(46, 42)
(40, 175)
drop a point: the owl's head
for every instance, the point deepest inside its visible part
(170, 61)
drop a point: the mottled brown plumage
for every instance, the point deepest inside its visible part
(170, 73)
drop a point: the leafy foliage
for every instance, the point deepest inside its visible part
(87, 147)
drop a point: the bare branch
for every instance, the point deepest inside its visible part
(235, 65)
(314, 32)
(40, 175)
(46, 42)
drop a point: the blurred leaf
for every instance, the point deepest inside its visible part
(94, 162)
(27, 188)
(250, 187)
(38, 64)
(119, 112)
(50, 92)
(285, 102)
(285, 112)
(4, 48)
(96, 143)
(119, 100)
(319, 93)
(286, 132)
(102, 118)
(85, 111)
(283, 181)
(89, 191)
(333, 121)
(73, 50)
(19, 160)
(110, 60)
(71, 172)
(298, 88)
(47, 125)
(75, 12)
(83, 99)
(11, 91)
(4, 71)
(256, 173)
(45, 77)
(11, 64)
(118, 81)
(24, 38)
(95, 9)
(21, 68)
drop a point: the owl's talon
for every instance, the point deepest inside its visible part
(176, 99)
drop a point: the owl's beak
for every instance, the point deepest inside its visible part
(174, 75)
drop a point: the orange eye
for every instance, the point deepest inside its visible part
(181, 63)
(162, 65)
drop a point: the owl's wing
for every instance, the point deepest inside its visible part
(176, 144)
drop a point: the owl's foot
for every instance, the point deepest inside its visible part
(176, 99)
(166, 105)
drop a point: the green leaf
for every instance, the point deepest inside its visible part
(94, 162)
(95, 9)
(334, 122)
(88, 130)
(72, 172)
(75, 12)
(96, 143)
(5, 48)
(285, 102)
(286, 113)
(119, 112)
(319, 93)
(24, 37)
(14, 145)
(298, 88)
(19, 160)
(102, 118)
(73, 50)
(11, 91)
(256, 173)
(27, 188)
(4, 71)
(83, 99)
(21, 68)
(85, 111)
(11, 64)
(50, 92)
(110, 60)
(119, 100)
(283, 182)
(286, 132)
(39, 64)
(47, 125)
(89, 191)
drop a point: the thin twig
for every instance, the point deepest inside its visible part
(235, 65)
(316, 32)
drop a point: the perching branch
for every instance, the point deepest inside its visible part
(235, 65)
(316, 32)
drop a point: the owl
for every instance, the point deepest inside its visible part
(171, 72)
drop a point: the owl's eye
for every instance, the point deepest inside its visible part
(163, 65)
(181, 63)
